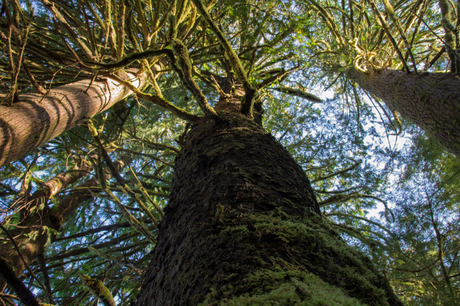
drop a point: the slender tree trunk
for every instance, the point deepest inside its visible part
(33, 231)
(38, 223)
(243, 227)
(37, 119)
(430, 100)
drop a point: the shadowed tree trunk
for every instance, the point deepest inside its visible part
(243, 225)
(430, 100)
(33, 231)
(38, 218)
(36, 119)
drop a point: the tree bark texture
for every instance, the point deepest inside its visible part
(243, 227)
(36, 119)
(430, 100)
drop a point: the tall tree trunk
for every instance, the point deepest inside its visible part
(430, 100)
(243, 225)
(37, 119)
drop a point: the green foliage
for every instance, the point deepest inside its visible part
(346, 144)
(423, 255)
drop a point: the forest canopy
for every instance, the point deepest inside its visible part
(97, 98)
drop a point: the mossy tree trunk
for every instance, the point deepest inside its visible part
(430, 100)
(243, 225)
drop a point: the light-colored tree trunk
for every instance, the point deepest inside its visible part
(36, 119)
(430, 100)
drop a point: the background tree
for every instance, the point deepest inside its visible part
(404, 53)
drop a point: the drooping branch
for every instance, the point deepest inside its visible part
(120, 180)
(356, 164)
(363, 219)
(94, 230)
(329, 20)
(340, 198)
(158, 100)
(67, 204)
(52, 8)
(277, 78)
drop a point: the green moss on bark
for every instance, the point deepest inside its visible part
(329, 272)
(287, 288)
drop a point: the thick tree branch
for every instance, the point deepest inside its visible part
(36, 119)
(184, 69)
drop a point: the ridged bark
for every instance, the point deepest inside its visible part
(243, 227)
(430, 100)
(36, 119)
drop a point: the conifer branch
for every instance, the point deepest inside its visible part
(298, 93)
(356, 164)
(120, 180)
(250, 91)
(390, 11)
(383, 24)
(157, 100)
(7, 275)
(183, 68)
(132, 58)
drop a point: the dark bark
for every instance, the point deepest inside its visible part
(244, 225)
(8, 276)
(430, 100)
